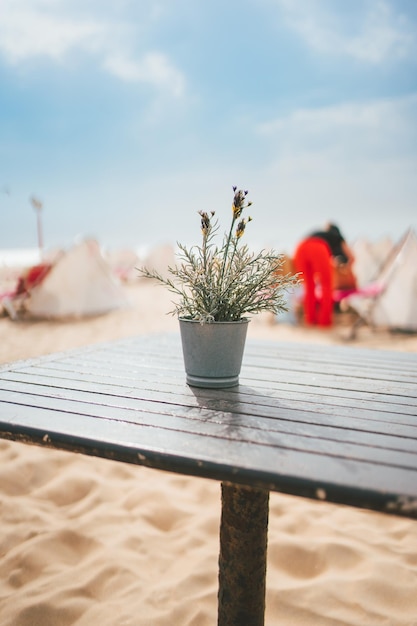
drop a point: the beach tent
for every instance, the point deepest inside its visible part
(124, 263)
(159, 258)
(393, 301)
(80, 283)
(370, 257)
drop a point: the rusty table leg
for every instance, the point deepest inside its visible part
(242, 561)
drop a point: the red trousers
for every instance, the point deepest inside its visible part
(313, 260)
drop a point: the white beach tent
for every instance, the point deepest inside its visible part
(370, 257)
(394, 304)
(159, 258)
(79, 284)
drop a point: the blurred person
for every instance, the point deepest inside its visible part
(341, 252)
(317, 258)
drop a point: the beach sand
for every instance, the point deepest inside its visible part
(87, 541)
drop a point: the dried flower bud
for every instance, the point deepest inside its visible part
(238, 202)
(205, 222)
(241, 227)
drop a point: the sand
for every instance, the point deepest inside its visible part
(89, 542)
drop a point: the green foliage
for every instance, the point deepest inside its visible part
(227, 283)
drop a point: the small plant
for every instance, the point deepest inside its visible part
(225, 284)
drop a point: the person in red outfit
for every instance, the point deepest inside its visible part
(314, 258)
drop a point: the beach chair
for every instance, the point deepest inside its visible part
(360, 301)
(390, 301)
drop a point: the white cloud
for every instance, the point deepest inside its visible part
(353, 163)
(379, 125)
(33, 29)
(370, 31)
(154, 68)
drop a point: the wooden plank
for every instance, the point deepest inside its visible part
(378, 370)
(300, 397)
(297, 352)
(334, 442)
(229, 427)
(347, 378)
(339, 355)
(268, 412)
(348, 381)
(267, 415)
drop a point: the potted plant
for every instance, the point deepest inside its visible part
(217, 288)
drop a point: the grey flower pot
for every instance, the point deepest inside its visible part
(213, 352)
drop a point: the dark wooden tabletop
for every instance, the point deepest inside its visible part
(327, 422)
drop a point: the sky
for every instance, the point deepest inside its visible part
(126, 118)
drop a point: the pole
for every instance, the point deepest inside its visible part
(37, 205)
(242, 561)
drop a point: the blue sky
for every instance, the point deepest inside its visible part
(125, 118)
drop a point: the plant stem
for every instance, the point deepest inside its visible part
(225, 253)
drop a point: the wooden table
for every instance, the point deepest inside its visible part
(326, 422)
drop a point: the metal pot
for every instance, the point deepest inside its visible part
(213, 352)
